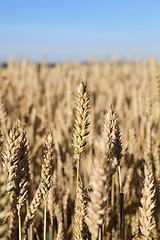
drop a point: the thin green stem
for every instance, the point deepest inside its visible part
(45, 220)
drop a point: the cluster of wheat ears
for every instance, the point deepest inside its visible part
(80, 150)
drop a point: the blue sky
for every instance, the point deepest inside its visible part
(77, 29)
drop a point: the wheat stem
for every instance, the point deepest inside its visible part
(20, 227)
(45, 220)
(120, 181)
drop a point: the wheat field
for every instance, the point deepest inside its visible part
(80, 150)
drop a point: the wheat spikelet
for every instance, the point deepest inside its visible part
(147, 202)
(81, 119)
(47, 166)
(80, 213)
(32, 209)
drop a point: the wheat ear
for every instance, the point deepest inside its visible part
(16, 162)
(46, 173)
(147, 202)
(10, 163)
(3, 196)
(113, 142)
(59, 216)
(52, 196)
(32, 209)
(99, 193)
(60, 234)
(112, 138)
(3, 116)
(13, 224)
(11, 156)
(81, 122)
(157, 86)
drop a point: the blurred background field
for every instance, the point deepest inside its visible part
(43, 98)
